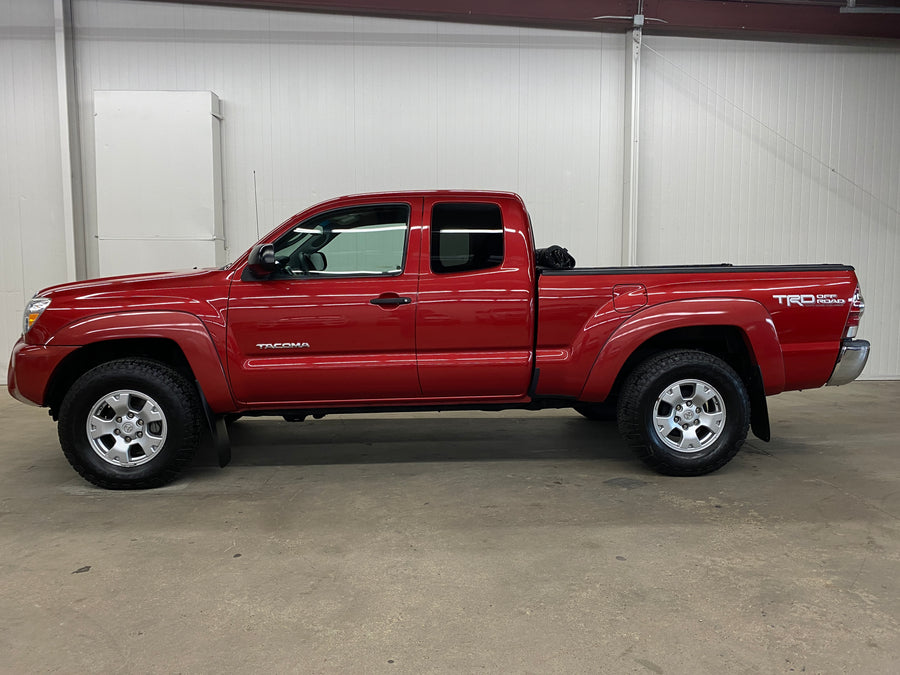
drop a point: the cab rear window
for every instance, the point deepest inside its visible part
(466, 237)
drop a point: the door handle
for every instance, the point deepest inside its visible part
(390, 300)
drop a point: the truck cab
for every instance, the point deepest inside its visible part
(403, 298)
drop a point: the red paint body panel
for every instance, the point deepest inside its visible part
(463, 338)
(357, 351)
(186, 330)
(30, 368)
(187, 308)
(751, 317)
(795, 346)
(475, 330)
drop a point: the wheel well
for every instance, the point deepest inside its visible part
(82, 360)
(729, 343)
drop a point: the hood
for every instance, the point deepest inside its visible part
(163, 282)
(203, 293)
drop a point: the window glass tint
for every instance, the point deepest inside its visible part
(356, 241)
(465, 237)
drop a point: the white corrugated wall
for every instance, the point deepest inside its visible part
(32, 239)
(767, 152)
(320, 105)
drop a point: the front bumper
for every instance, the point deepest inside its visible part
(30, 368)
(851, 361)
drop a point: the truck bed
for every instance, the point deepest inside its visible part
(584, 312)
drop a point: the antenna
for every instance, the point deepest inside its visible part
(256, 204)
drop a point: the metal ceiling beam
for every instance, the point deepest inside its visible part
(727, 18)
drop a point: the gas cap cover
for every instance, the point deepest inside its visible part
(629, 298)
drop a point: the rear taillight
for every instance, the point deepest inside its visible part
(857, 307)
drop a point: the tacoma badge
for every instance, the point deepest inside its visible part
(284, 345)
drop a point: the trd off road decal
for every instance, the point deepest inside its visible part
(809, 300)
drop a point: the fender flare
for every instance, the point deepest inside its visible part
(750, 316)
(184, 329)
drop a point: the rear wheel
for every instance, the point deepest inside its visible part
(130, 424)
(684, 413)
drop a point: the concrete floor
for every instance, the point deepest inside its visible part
(466, 542)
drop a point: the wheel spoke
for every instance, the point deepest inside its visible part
(153, 421)
(154, 436)
(672, 396)
(99, 427)
(703, 394)
(689, 441)
(665, 425)
(712, 421)
(150, 413)
(118, 402)
(117, 454)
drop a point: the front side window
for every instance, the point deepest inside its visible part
(355, 241)
(465, 237)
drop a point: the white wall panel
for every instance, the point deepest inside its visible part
(33, 250)
(757, 152)
(319, 105)
(570, 146)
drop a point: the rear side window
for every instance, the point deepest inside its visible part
(465, 237)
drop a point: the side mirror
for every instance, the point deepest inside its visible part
(262, 260)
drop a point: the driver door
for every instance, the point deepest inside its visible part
(336, 322)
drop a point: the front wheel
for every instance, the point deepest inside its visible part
(130, 424)
(684, 412)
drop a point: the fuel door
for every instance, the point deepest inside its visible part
(628, 298)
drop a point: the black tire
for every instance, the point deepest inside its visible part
(178, 424)
(722, 420)
(596, 412)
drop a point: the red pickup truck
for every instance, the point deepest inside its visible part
(426, 301)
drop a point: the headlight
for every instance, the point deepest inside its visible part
(32, 311)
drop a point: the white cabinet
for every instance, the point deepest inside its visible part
(159, 180)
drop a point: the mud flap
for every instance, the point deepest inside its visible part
(217, 429)
(221, 442)
(759, 409)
